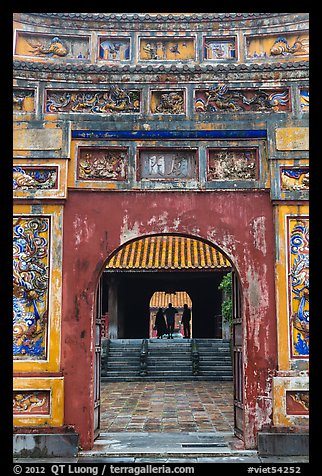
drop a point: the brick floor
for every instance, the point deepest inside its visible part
(167, 406)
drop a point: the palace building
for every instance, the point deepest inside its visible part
(153, 154)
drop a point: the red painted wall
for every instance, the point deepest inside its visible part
(239, 223)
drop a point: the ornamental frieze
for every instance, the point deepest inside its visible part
(232, 164)
(102, 164)
(298, 285)
(114, 100)
(30, 287)
(221, 98)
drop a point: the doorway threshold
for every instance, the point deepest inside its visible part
(166, 444)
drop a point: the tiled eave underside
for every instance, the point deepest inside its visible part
(161, 22)
(156, 72)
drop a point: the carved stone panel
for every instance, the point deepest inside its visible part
(221, 98)
(114, 100)
(295, 178)
(216, 48)
(167, 49)
(102, 163)
(297, 402)
(165, 164)
(31, 402)
(167, 102)
(23, 100)
(232, 164)
(34, 178)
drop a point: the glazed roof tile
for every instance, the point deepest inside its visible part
(167, 252)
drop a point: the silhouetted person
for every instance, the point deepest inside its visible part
(186, 317)
(160, 323)
(170, 313)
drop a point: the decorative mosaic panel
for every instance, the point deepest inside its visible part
(34, 178)
(232, 164)
(304, 100)
(23, 100)
(162, 164)
(298, 276)
(114, 49)
(219, 49)
(102, 164)
(51, 46)
(278, 45)
(295, 178)
(297, 402)
(114, 100)
(167, 49)
(26, 402)
(220, 98)
(167, 102)
(30, 287)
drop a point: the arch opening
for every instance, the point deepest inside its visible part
(162, 263)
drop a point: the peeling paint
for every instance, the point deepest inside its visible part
(257, 230)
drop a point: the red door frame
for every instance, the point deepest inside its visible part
(96, 224)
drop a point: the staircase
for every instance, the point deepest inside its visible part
(121, 360)
(169, 359)
(214, 360)
(166, 360)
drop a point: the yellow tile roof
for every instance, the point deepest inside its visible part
(167, 252)
(162, 299)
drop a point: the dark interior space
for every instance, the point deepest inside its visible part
(132, 292)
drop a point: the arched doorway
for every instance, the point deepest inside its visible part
(162, 263)
(161, 299)
(169, 264)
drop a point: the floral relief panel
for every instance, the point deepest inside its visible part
(31, 236)
(298, 276)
